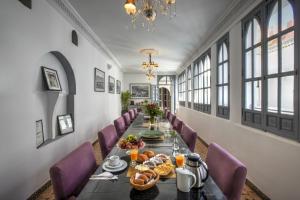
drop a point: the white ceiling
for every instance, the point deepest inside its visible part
(176, 39)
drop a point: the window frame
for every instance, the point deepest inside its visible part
(189, 90)
(206, 108)
(264, 11)
(223, 111)
(182, 88)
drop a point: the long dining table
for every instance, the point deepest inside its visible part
(165, 189)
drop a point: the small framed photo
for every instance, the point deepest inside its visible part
(118, 89)
(65, 124)
(111, 84)
(51, 79)
(99, 81)
(39, 133)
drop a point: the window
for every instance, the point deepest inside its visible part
(202, 83)
(181, 88)
(189, 86)
(269, 69)
(223, 77)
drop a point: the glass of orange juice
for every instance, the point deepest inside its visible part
(179, 160)
(134, 156)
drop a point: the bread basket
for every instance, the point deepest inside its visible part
(146, 186)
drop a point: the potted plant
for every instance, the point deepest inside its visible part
(153, 110)
(125, 96)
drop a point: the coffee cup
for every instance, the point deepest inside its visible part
(113, 160)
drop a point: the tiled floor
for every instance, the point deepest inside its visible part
(248, 194)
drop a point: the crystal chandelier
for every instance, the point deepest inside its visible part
(148, 9)
(149, 66)
(150, 74)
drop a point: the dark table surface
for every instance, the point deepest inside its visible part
(165, 189)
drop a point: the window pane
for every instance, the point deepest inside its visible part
(273, 21)
(208, 79)
(220, 96)
(273, 56)
(201, 96)
(287, 15)
(196, 68)
(248, 64)
(288, 50)
(201, 67)
(225, 52)
(196, 82)
(248, 95)
(207, 62)
(257, 31)
(225, 95)
(201, 81)
(196, 96)
(208, 96)
(189, 84)
(257, 95)
(225, 72)
(257, 62)
(220, 55)
(220, 74)
(287, 95)
(273, 95)
(249, 36)
(189, 96)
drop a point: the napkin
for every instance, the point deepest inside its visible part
(104, 176)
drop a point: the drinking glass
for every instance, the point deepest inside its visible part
(133, 157)
(179, 160)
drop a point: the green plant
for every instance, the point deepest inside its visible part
(125, 96)
(153, 110)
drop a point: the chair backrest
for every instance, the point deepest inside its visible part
(131, 114)
(127, 120)
(171, 118)
(189, 136)
(177, 124)
(107, 137)
(135, 112)
(227, 171)
(69, 175)
(120, 126)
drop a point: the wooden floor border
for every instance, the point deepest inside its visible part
(248, 182)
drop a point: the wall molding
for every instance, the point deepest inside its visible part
(65, 8)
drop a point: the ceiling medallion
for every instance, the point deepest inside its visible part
(150, 65)
(148, 9)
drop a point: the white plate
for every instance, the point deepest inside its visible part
(123, 166)
(113, 167)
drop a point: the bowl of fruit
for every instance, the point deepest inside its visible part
(131, 142)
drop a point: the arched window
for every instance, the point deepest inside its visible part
(189, 86)
(181, 88)
(202, 86)
(223, 77)
(269, 68)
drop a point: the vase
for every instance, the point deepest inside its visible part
(152, 119)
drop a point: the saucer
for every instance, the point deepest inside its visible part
(123, 166)
(113, 166)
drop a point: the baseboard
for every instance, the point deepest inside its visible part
(248, 182)
(37, 193)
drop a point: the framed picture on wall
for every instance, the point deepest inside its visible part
(51, 79)
(99, 80)
(140, 90)
(65, 124)
(39, 133)
(111, 84)
(118, 89)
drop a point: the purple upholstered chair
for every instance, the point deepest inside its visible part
(131, 114)
(227, 171)
(177, 125)
(189, 136)
(120, 126)
(127, 120)
(69, 175)
(107, 137)
(135, 112)
(171, 118)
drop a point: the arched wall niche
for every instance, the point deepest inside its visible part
(56, 103)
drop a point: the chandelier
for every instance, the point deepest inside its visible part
(148, 9)
(150, 65)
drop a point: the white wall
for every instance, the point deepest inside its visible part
(26, 36)
(273, 162)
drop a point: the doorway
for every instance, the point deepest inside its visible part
(165, 98)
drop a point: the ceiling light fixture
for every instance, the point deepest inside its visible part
(150, 65)
(149, 9)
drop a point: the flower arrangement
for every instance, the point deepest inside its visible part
(153, 110)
